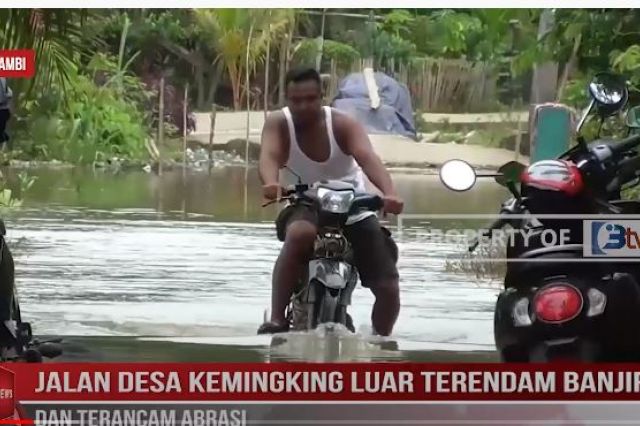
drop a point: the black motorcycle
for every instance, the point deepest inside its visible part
(324, 293)
(563, 301)
(17, 343)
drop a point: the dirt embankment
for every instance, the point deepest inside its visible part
(230, 133)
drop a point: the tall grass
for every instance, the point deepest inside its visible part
(99, 114)
(484, 263)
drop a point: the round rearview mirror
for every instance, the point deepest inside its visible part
(457, 175)
(610, 93)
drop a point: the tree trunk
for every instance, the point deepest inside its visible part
(184, 132)
(213, 87)
(214, 76)
(569, 66)
(160, 126)
(200, 80)
(266, 77)
(321, 44)
(236, 83)
(282, 70)
(285, 50)
(545, 75)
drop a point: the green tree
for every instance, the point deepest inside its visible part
(54, 34)
(240, 37)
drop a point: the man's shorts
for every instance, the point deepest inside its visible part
(374, 251)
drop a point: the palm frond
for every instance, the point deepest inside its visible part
(54, 35)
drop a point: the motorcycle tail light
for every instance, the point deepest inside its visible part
(557, 303)
(597, 302)
(521, 317)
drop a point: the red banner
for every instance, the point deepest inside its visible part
(17, 63)
(319, 382)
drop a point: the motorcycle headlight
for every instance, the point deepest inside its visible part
(335, 201)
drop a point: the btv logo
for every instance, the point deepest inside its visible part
(619, 238)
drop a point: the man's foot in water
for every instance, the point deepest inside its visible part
(271, 327)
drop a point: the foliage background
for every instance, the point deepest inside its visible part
(95, 95)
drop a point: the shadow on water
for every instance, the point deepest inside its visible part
(186, 260)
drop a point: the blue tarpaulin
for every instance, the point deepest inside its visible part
(393, 116)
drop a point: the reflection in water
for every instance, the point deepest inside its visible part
(329, 343)
(219, 193)
(138, 254)
(246, 192)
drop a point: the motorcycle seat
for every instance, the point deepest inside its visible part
(570, 249)
(519, 273)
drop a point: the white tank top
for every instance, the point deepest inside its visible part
(339, 166)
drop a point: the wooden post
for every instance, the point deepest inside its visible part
(518, 136)
(246, 194)
(333, 80)
(266, 76)
(248, 94)
(184, 130)
(282, 69)
(160, 126)
(212, 129)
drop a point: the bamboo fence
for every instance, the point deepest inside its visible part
(435, 85)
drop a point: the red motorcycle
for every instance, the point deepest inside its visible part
(579, 299)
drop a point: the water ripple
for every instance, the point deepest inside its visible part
(126, 273)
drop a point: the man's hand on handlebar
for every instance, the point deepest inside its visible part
(393, 204)
(272, 191)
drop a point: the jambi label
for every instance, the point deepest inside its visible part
(17, 63)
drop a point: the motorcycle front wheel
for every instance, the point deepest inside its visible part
(325, 308)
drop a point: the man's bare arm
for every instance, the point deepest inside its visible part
(271, 158)
(357, 143)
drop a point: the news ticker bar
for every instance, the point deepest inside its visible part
(315, 413)
(235, 394)
(316, 382)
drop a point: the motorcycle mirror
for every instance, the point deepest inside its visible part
(457, 175)
(295, 174)
(609, 92)
(510, 172)
(633, 118)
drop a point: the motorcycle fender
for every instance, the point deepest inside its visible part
(332, 274)
(345, 295)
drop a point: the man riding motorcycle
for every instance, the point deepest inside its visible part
(319, 143)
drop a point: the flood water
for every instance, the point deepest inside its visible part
(189, 261)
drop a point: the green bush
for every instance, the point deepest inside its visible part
(100, 114)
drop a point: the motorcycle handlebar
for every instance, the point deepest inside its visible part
(367, 202)
(627, 171)
(626, 144)
(293, 189)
